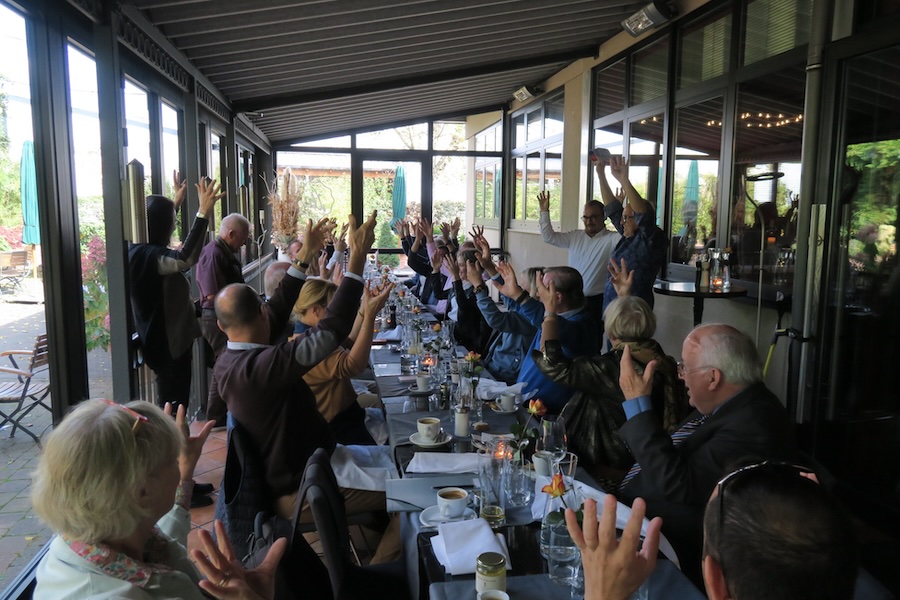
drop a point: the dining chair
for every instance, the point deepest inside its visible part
(24, 391)
(348, 580)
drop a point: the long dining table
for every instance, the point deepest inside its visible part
(413, 492)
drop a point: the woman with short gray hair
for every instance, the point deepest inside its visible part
(106, 482)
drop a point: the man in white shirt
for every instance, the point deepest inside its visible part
(589, 249)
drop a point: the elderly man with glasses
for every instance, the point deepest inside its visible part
(735, 417)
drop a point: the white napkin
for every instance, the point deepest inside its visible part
(439, 462)
(623, 512)
(390, 335)
(458, 544)
(488, 389)
(363, 467)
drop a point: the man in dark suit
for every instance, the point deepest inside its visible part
(735, 417)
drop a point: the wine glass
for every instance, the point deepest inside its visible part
(552, 437)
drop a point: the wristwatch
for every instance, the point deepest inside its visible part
(200, 215)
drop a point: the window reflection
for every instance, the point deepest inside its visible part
(609, 137)
(696, 179)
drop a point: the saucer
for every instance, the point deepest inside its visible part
(496, 408)
(442, 440)
(414, 389)
(431, 516)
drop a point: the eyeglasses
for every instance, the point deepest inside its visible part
(138, 417)
(592, 217)
(783, 468)
(682, 371)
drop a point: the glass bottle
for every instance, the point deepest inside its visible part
(490, 572)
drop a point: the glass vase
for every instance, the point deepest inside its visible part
(555, 507)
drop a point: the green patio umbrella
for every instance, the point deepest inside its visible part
(398, 197)
(691, 197)
(31, 230)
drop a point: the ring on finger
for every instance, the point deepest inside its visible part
(225, 577)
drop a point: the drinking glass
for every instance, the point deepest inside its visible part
(552, 436)
(563, 556)
(490, 475)
(518, 483)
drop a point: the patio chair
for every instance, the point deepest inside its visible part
(24, 392)
(348, 581)
(14, 268)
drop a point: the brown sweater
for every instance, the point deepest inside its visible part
(264, 390)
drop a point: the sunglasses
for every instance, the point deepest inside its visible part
(138, 417)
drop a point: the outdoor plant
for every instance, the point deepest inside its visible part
(96, 296)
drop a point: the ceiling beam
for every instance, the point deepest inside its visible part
(267, 102)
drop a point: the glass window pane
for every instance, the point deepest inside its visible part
(450, 135)
(553, 179)
(768, 140)
(519, 206)
(479, 193)
(171, 147)
(450, 176)
(532, 185)
(137, 125)
(409, 137)
(519, 126)
(695, 192)
(610, 90)
(775, 26)
(650, 72)
(553, 116)
(492, 191)
(609, 137)
(704, 49)
(384, 184)
(323, 183)
(335, 142)
(645, 157)
(533, 120)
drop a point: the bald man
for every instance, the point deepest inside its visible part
(218, 267)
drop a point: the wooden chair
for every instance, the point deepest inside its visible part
(14, 268)
(25, 393)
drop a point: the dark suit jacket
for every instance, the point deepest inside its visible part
(676, 482)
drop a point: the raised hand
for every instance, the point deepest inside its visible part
(209, 195)
(226, 578)
(618, 166)
(313, 241)
(452, 266)
(547, 294)
(621, 278)
(544, 201)
(445, 231)
(510, 287)
(473, 273)
(193, 444)
(361, 240)
(180, 187)
(375, 299)
(454, 228)
(632, 383)
(613, 569)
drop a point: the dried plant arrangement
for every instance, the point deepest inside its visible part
(284, 196)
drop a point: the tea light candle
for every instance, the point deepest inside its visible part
(428, 360)
(717, 283)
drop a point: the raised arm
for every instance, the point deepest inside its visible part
(618, 166)
(357, 359)
(174, 261)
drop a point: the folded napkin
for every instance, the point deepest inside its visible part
(458, 544)
(488, 389)
(363, 467)
(439, 462)
(390, 335)
(623, 512)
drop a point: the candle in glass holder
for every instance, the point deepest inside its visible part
(429, 360)
(716, 283)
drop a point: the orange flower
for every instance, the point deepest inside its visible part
(556, 488)
(401, 292)
(436, 327)
(416, 310)
(472, 356)
(536, 407)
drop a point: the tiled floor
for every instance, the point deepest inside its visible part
(209, 470)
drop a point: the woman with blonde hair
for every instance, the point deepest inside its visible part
(106, 482)
(330, 380)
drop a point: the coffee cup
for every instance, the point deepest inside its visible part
(429, 428)
(422, 381)
(493, 595)
(452, 502)
(507, 401)
(542, 461)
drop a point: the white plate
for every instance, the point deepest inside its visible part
(431, 516)
(414, 389)
(496, 408)
(443, 440)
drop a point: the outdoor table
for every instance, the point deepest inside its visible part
(687, 289)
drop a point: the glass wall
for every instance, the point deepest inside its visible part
(537, 156)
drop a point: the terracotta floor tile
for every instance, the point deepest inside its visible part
(216, 454)
(206, 514)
